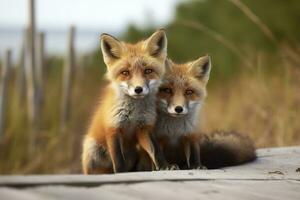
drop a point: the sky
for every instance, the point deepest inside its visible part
(90, 16)
(94, 14)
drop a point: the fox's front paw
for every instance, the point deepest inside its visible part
(199, 167)
(169, 167)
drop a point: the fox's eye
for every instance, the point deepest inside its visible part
(167, 90)
(148, 71)
(189, 92)
(125, 73)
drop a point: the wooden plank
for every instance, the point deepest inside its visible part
(5, 76)
(272, 164)
(12, 194)
(217, 189)
(249, 181)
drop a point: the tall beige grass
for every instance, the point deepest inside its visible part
(265, 108)
(263, 104)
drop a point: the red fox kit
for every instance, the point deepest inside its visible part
(177, 130)
(127, 112)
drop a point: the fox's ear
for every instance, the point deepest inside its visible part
(169, 63)
(157, 44)
(111, 48)
(201, 68)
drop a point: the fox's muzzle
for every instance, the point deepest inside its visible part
(177, 110)
(139, 90)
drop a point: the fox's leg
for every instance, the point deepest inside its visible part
(145, 141)
(144, 162)
(195, 160)
(152, 149)
(160, 156)
(187, 151)
(95, 159)
(113, 141)
(130, 153)
(191, 147)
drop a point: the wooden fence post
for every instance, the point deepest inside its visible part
(68, 75)
(21, 77)
(31, 77)
(40, 64)
(6, 67)
(30, 64)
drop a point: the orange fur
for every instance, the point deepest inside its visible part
(116, 127)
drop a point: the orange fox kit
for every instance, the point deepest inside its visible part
(127, 112)
(177, 131)
(181, 96)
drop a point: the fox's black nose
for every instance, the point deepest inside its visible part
(138, 89)
(178, 109)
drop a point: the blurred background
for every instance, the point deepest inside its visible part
(52, 70)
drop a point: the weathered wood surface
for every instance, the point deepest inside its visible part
(274, 175)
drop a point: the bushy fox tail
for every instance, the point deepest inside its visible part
(221, 149)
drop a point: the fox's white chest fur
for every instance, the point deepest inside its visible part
(175, 127)
(130, 113)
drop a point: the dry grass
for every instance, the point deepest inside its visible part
(56, 151)
(266, 108)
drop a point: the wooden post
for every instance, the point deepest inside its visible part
(40, 62)
(21, 77)
(4, 89)
(31, 77)
(68, 74)
(30, 65)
